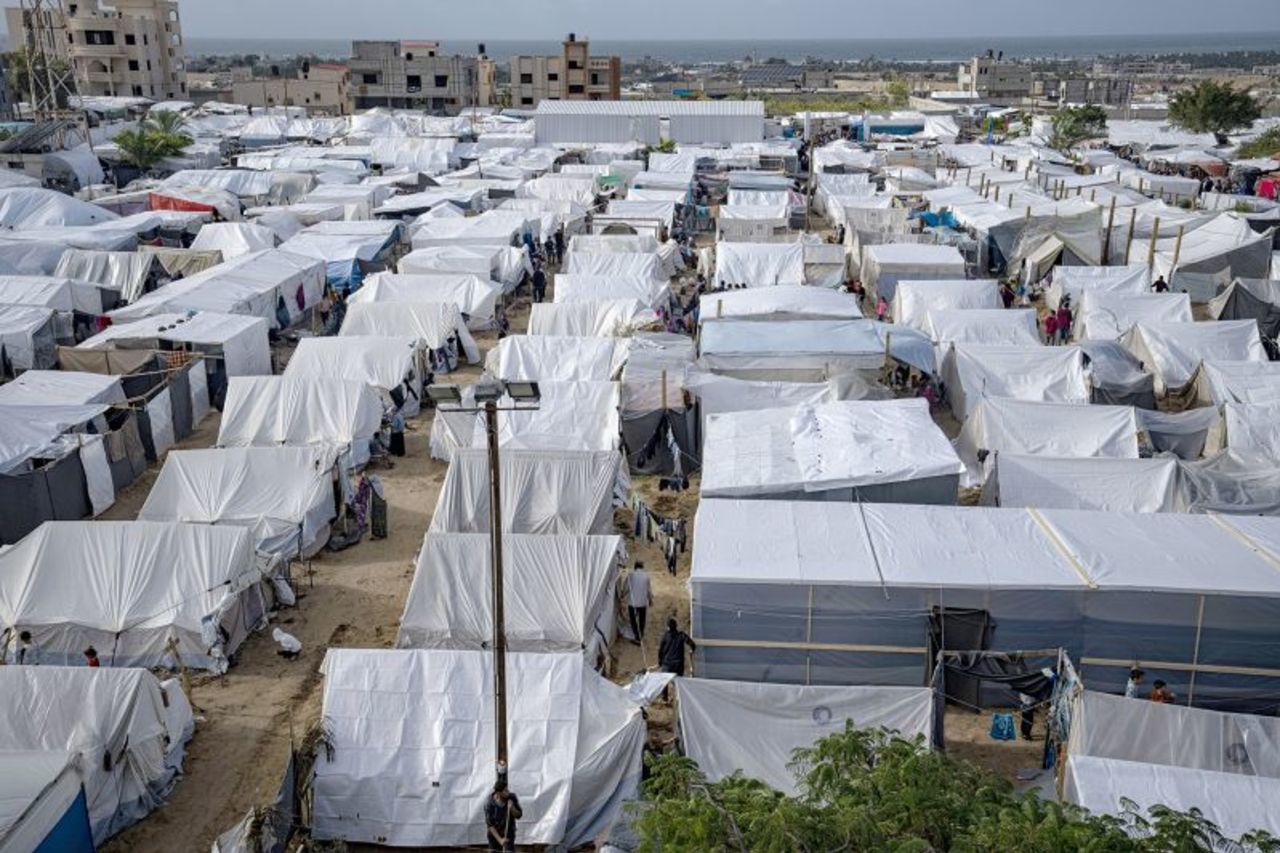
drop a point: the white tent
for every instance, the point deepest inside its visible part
(24, 208)
(559, 593)
(808, 350)
(125, 273)
(732, 726)
(1239, 382)
(784, 302)
(575, 744)
(62, 387)
(27, 337)
(650, 292)
(983, 327)
(616, 264)
(1074, 282)
(1227, 247)
(999, 426)
(1107, 316)
(129, 588)
(1174, 351)
(570, 416)
(886, 264)
(386, 363)
(611, 318)
(1253, 430)
(64, 295)
(125, 727)
(495, 228)
(435, 324)
(914, 300)
(270, 411)
(1113, 485)
(760, 264)
(42, 802)
(548, 358)
(284, 495)
(506, 264)
(234, 239)
(241, 343)
(543, 492)
(476, 296)
(1032, 373)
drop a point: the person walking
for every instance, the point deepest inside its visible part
(671, 649)
(500, 815)
(539, 284)
(1065, 320)
(639, 597)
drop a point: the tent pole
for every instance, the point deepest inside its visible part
(1151, 247)
(1133, 222)
(1177, 247)
(808, 639)
(1195, 655)
(1106, 240)
(499, 614)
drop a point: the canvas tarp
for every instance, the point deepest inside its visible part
(611, 318)
(1074, 282)
(616, 265)
(1113, 485)
(732, 726)
(1251, 299)
(809, 350)
(1108, 316)
(422, 778)
(126, 729)
(1253, 430)
(433, 323)
(543, 492)
(558, 593)
(124, 272)
(130, 587)
(385, 363)
(650, 292)
(884, 265)
(241, 343)
(1174, 351)
(760, 264)
(548, 358)
(27, 338)
(914, 300)
(24, 208)
(784, 302)
(284, 495)
(1239, 382)
(49, 292)
(234, 239)
(983, 327)
(476, 296)
(1030, 373)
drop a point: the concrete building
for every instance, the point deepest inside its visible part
(1104, 91)
(990, 78)
(321, 89)
(129, 48)
(574, 75)
(413, 75)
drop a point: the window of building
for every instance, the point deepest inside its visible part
(595, 79)
(71, 8)
(575, 65)
(146, 39)
(130, 38)
(99, 37)
(442, 81)
(137, 90)
(527, 79)
(408, 57)
(70, 39)
(552, 76)
(526, 102)
(148, 64)
(413, 82)
(133, 65)
(576, 88)
(369, 79)
(317, 97)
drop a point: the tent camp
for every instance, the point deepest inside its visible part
(544, 492)
(808, 350)
(735, 726)
(476, 296)
(550, 358)
(438, 325)
(270, 411)
(559, 593)
(884, 265)
(795, 593)
(1251, 299)
(759, 264)
(124, 730)
(156, 583)
(784, 302)
(575, 747)
(1174, 351)
(913, 301)
(284, 495)
(391, 365)
(1108, 316)
(1032, 373)
(1111, 485)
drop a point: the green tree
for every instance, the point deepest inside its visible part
(18, 69)
(1266, 145)
(140, 148)
(899, 93)
(1212, 107)
(871, 790)
(1073, 125)
(166, 127)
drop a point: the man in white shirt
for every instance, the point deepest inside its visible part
(1133, 689)
(639, 597)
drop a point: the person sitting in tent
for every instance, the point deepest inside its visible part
(1161, 693)
(500, 815)
(91, 657)
(1134, 685)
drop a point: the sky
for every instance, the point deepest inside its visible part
(710, 19)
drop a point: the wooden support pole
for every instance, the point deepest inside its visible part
(1151, 247)
(664, 390)
(1133, 222)
(1106, 240)
(1177, 249)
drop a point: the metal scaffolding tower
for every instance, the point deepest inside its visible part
(52, 89)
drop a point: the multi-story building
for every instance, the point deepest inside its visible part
(129, 47)
(990, 78)
(574, 75)
(1103, 91)
(413, 75)
(321, 89)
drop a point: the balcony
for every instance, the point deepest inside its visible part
(96, 51)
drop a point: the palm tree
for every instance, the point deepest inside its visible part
(141, 148)
(166, 127)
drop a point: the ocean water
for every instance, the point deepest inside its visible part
(690, 52)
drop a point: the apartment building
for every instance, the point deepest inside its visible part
(574, 75)
(127, 47)
(990, 78)
(1103, 91)
(413, 75)
(321, 89)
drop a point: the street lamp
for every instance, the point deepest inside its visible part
(487, 395)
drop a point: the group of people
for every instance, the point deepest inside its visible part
(24, 652)
(1058, 324)
(1159, 692)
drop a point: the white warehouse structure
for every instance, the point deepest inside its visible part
(688, 122)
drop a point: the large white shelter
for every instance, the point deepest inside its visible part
(476, 296)
(913, 301)
(886, 264)
(438, 325)
(1033, 373)
(611, 318)
(388, 364)
(784, 302)
(808, 350)
(760, 264)
(1108, 316)
(550, 358)
(1111, 485)
(1174, 351)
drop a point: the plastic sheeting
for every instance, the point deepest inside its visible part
(547, 358)
(124, 272)
(48, 292)
(732, 726)
(809, 350)
(1107, 316)
(114, 720)
(27, 336)
(241, 342)
(984, 327)
(422, 777)
(476, 296)
(284, 495)
(234, 239)
(1074, 282)
(1240, 382)
(383, 362)
(1253, 430)
(558, 593)
(433, 323)
(1174, 351)
(613, 318)
(544, 492)
(268, 411)
(883, 266)
(760, 264)
(650, 292)
(784, 302)
(24, 208)
(128, 588)
(913, 301)
(1029, 373)
(1112, 485)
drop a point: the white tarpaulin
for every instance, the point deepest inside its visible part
(117, 722)
(24, 208)
(124, 272)
(27, 337)
(61, 387)
(284, 495)
(884, 265)
(49, 292)
(266, 411)
(1000, 425)
(784, 302)
(616, 264)
(234, 239)
(385, 363)
(612, 318)
(809, 350)
(240, 342)
(1032, 373)
(731, 726)
(1074, 282)
(570, 416)
(476, 296)
(984, 327)
(650, 292)
(420, 777)
(1113, 485)
(1107, 316)
(1240, 382)
(558, 593)
(759, 264)
(1174, 351)
(548, 358)
(433, 323)
(543, 491)
(914, 300)
(1253, 430)
(128, 588)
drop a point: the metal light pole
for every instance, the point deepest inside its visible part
(487, 395)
